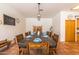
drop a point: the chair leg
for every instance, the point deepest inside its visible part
(25, 51)
(21, 51)
(55, 52)
(51, 52)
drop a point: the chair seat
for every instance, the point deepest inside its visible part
(22, 43)
(52, 44)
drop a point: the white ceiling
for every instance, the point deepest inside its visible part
(49, 9)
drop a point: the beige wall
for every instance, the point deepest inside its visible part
(46, 23)
(64, 15)
(8, 31)
(59, 22)
(56, 23)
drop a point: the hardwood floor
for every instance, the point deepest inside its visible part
(68, 48)
(13, 50)
(63, 48)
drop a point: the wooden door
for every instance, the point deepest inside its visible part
(70, 30)
(77, 29)
(77, 23)
(78, 37)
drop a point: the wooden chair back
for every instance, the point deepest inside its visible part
(19, 37)
(27, 33)
(55, 37)
(49, 33)
(37, 28)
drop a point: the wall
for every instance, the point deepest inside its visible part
(45, 22)
(59, 22)
(64, 15)
(8, 31)
(56, 23)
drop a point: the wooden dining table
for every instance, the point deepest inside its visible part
(41, 48)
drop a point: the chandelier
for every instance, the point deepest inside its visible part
(39, 10)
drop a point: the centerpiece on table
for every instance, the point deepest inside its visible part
(37, 40)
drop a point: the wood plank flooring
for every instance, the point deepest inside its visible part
(13, 50)
(68, 48)
(63, 48)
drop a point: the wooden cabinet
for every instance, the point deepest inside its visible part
(70, 30)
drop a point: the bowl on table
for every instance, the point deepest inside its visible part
(37, 40)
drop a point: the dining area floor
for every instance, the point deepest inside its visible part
(63, 48)
(68, 48)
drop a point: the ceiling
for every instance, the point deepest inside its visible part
(49, 9)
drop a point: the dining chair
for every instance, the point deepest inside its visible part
(37, 28)
(53, 49)
(34, 28)
(27, 33)
(49, 33)
(21, 43)
(55, 37)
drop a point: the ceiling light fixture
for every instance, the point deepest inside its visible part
(39, 15)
